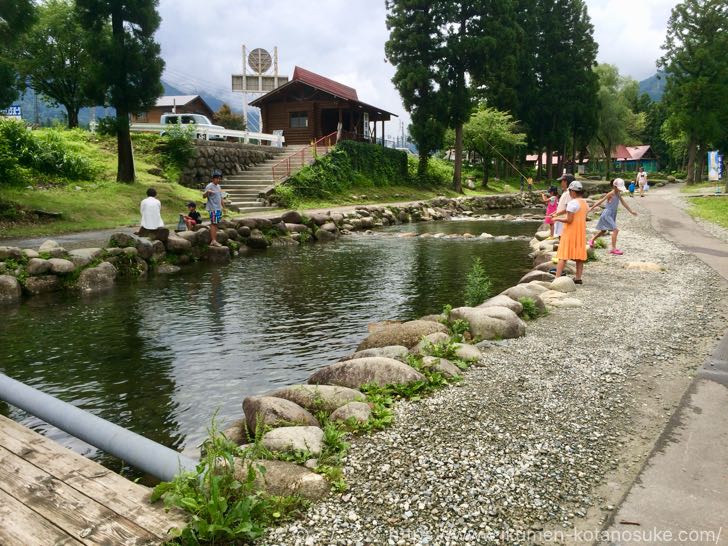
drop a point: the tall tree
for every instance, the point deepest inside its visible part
(229, 119)
(127, 64)
(414, 47)
(491, 133)
(697, 75)
(16, 17)
(613, 112)
(54, 60)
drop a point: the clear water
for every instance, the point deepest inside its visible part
(160, 357)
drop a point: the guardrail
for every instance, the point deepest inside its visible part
(283, 168)
(212, 133)
(149, 456)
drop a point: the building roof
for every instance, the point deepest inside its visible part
(321, 83)
(178, 100)
(638, 152)
(325, 84)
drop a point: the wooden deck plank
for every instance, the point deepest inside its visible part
(22, 527)
(80, 516)
(118, 494)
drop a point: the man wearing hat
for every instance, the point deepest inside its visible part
(214, 204)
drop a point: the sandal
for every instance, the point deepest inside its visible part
(616, 252)
(578, 281)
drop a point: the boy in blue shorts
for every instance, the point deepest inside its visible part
(214, 204)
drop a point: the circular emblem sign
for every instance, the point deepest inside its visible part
(259, 60)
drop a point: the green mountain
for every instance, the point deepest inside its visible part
(654, 86)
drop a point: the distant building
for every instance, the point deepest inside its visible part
(631, 158)
(181, 104)
(311, 106)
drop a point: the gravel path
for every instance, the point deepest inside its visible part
(550, 432)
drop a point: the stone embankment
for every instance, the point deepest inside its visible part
(229, 157)
(546, 430)
(51, 268)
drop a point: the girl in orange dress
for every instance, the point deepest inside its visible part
(573, 239)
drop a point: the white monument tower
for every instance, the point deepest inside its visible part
(259, 61)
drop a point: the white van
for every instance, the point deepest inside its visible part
(193, 119)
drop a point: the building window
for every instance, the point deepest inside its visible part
(298, 120)
(142, 117)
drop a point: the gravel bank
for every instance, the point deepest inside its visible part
(550, 432)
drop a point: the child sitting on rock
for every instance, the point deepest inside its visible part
(193, 217)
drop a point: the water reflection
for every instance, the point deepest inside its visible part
(161, 356)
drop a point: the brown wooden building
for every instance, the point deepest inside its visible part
(311, 106)
(182, 104)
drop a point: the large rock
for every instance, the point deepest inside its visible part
(361, 371)
(43, 284)
(292, 217)
(536, 275)
(274, 412)
(257, 240)
(524, 291)
(81, 257)
(429, 340)
(296, 228)
(37, 266)
(284, 479)
(407, 334)
(97, 279)
(10, 290)
(159, 234)
(320, 219)
(442, 365)
(649, 267)
(53, 249)
(11, 253)
(292, 439)
(121, 240)
(358, 411)
(324, 236)
(167, 269)
(177, 244)
(218, 254)
(59, 266)
(563, 284)
(503, 301)
(392, 351)
(491, 322)
(315, 398)
(467, 352)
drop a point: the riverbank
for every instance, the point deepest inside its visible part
(550, 434)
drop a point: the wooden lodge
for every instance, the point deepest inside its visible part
(311, 106)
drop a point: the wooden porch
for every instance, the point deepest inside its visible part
(51, 495)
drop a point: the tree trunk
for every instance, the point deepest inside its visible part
(422, 169)
(457, 173)
(539, 165)
(125, 165)
(692, 149)
(485, 173)
(701, 165)
(549, 153)
(72, 116)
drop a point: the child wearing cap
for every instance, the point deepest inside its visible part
(608, 219)
(572, 245)
(193, 217)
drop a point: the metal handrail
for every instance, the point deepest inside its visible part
(284, 166)
(159, 461)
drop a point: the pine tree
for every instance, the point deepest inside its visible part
(696, 65)
(127, 64)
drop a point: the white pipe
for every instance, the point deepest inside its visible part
(138, 451)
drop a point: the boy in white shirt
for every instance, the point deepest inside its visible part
(151, 209)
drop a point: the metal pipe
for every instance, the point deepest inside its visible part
(140, 452)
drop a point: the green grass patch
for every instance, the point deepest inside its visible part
(712, 209)
(703, 187)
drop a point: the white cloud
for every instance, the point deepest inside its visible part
(344, 40)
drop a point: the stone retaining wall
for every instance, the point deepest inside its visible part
(229, 157)
(51, 268)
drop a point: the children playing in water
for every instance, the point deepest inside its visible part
(552, 202)
(608, 219)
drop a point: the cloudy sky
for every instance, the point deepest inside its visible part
(344, 40)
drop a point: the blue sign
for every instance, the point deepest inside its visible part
(14, 111)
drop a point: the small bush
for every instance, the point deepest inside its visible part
(478, 285)
(177, 148)
(530, 309)
(439, 172)
(599, 243)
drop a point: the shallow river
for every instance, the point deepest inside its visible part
(160, 357)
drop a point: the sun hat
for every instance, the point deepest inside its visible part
(576, 186)
(217, 173)
(619, 184)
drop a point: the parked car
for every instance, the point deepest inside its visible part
(193, 119)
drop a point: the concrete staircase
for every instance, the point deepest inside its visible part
(244, 188)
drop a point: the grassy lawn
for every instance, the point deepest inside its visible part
(713, 209)
(703, 187)
(94, 204)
